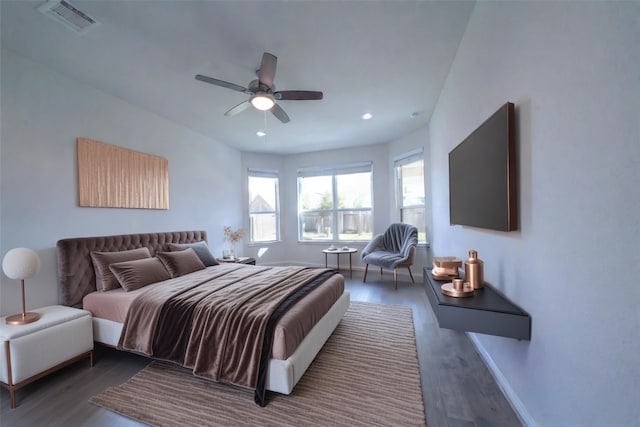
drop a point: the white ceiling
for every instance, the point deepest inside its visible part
(386, 57)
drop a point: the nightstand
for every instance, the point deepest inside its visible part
(63, 335)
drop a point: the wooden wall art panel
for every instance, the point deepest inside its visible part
(114, 177)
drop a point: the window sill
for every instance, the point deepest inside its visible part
(270, 242)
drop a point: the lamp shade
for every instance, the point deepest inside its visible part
(21, 263)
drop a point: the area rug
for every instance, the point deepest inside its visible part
(366, 374)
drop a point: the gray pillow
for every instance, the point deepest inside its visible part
(136, 274)
(105, 280)
(200, 248)
(181, 262)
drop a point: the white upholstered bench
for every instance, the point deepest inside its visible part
(62, 335)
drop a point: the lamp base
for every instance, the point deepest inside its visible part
(22, 318)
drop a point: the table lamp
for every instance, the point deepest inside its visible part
(21, 263)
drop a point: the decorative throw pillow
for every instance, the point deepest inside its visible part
(136, 274)
(105, 280)
(200, 248)
(181, 262)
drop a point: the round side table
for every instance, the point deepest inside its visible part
(338, 252)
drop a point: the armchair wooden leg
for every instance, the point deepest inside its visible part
(366, 268)
(411, 275)
(395, 279)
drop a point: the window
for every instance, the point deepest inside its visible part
(264, 206)
(410, 191)
(335, 204)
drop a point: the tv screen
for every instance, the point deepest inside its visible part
(482, 175)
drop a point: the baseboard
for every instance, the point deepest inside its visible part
(519, 408)
(402, 272)
(293, 263)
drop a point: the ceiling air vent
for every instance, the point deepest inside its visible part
(69, 15)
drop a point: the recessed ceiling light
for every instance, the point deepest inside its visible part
(261, 133)
(366, 116)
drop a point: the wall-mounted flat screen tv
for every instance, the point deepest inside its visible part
(482, 175)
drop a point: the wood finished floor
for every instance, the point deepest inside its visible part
(458, 389)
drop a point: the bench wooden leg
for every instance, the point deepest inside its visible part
(12, 394)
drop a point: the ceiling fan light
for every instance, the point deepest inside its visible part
(262, 102)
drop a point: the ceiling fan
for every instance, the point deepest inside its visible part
(263, 95)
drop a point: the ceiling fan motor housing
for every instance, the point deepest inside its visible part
(256, 87)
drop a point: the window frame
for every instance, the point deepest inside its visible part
(335, 211)
(263, 173)
(398, 163)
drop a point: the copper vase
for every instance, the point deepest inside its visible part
(473, 270)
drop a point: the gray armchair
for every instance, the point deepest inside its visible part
(393, 249)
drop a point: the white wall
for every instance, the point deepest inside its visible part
(43, 113)
(572, 70)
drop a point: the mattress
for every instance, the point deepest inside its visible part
(290, 331)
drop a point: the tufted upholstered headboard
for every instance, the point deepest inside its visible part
(76, 275)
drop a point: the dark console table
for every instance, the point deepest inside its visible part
(486, 312)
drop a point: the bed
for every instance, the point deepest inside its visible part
(296, 337)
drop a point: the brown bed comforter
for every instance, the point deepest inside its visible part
(218, 322)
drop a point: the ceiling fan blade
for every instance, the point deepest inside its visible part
(221, 83)
(267, 71)
(279, 113)
(237, 109)
(298, 95)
